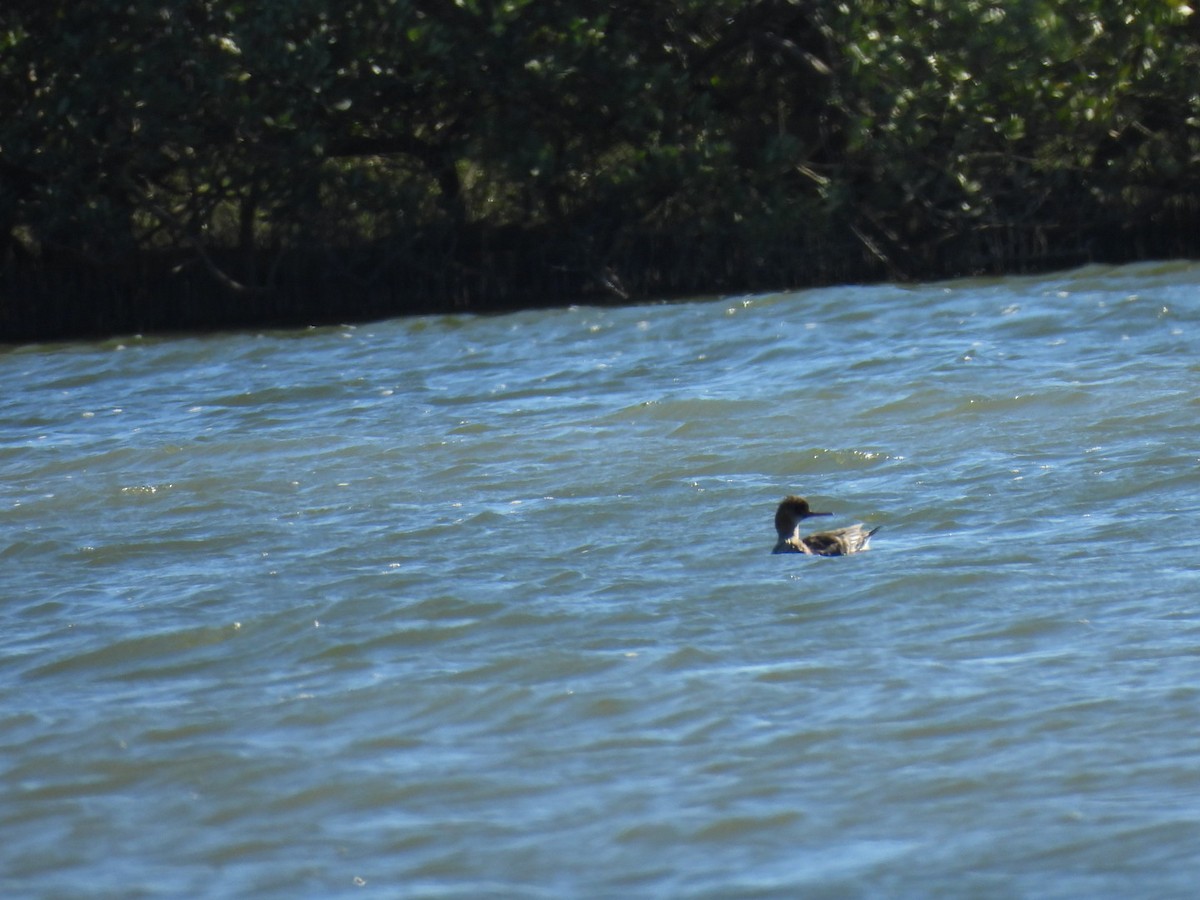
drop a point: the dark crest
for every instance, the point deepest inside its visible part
(791, 510)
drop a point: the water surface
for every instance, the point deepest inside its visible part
(484, 606)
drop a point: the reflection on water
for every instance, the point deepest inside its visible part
(485, 606)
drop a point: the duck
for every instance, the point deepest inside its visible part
(839, 542)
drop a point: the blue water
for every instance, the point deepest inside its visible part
(484, 606)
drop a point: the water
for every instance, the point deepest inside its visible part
(484, 607)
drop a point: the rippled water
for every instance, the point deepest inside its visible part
(467, 607)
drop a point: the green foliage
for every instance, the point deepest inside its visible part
(218, 124)
(966, 112)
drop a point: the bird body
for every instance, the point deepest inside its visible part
(837, 542)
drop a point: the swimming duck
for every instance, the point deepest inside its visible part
(839, 542)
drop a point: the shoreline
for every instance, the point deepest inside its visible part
(55, 297)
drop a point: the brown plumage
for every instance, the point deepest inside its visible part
(838, 542)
